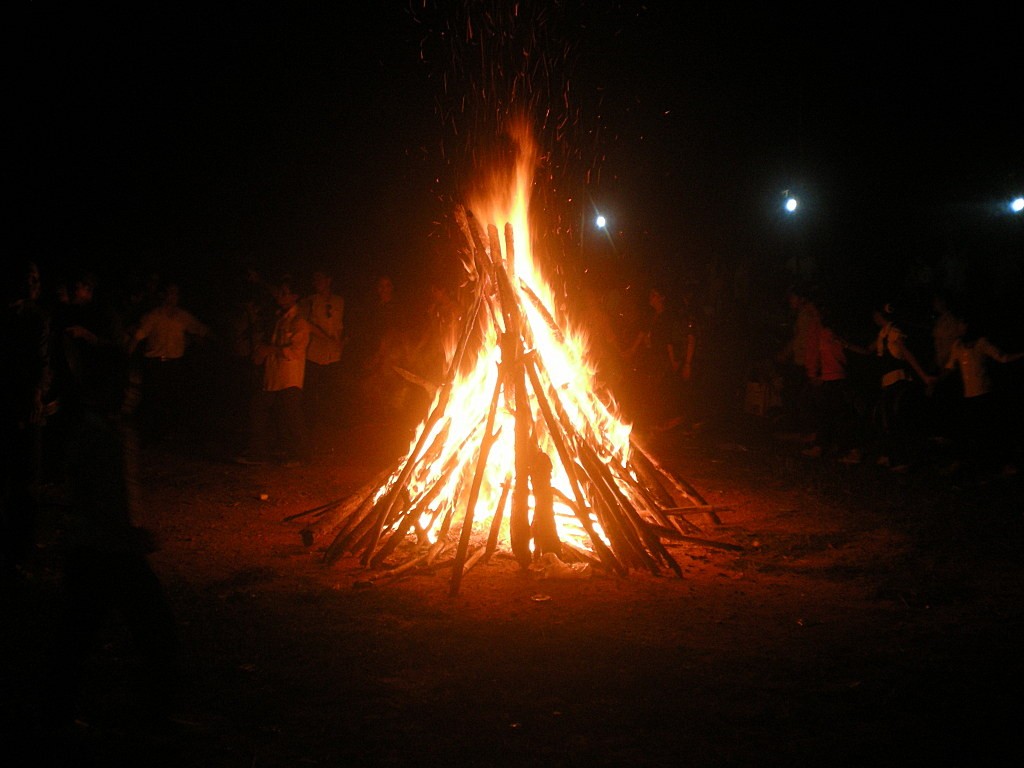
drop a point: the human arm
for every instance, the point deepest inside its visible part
(195, 326)
(911, 360)
(857, 348)
(140, 334)
(992, 351)
(294, 345)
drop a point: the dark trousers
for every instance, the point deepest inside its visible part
(20, 473)
(898, 420)
(798, 398)
(279, 415)
(164, 397)
(983, 439)
(836, 422)
(322, 394)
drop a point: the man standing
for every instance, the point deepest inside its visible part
(324, 311)
(164, 333)
(280, 397)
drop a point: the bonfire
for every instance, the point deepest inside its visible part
(521, 449)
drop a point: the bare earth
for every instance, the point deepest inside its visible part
(870, 619)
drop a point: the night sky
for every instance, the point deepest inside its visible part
(225, 135)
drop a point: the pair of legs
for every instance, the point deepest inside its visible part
(278, 413)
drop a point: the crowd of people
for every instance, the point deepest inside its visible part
(924, 382)
(275, 364)
(903, 401)
(95, 380)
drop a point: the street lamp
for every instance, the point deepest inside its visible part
(600, 221)
(1017, 204)
(790, 233)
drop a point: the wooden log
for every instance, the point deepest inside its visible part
(510, 252)
(713, 544)
(342, 541)
(651, 501)
(473, 559)
(417, 507)
(318, 510)
(650, 477)
(711, 510)
(343, 513)
(543, 311)
(366, 544)
(644, 528)
(512, 347)
(474, 492)
(492, 536)
(666, 532)
(437, 412)
(519, 520)
(631, 556)
(554, 430)
(605, 478)
(650, 540)
(634, 533)
(683, 487)
(581, 554)
(620, 529)
(439, 547)
(683, 525)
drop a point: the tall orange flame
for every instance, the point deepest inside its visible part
(450, 446)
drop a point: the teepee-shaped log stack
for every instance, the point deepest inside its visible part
(505, 438)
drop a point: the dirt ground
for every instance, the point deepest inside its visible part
(865, 619)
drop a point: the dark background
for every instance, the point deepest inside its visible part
(208, 139)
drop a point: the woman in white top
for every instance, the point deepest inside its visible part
(983, 433)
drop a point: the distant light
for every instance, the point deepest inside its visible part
(791, 204)
(1017, 205)
(601, 221)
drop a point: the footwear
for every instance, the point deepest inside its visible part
(852, 456)
(814, 452)
(901, 469)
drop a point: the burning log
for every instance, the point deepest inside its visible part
(474, 493)
(499, 512)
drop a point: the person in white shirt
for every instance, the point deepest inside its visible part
(163, 334)
(324, 310)
(279, 401)
(900, 392)
(983, 434)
